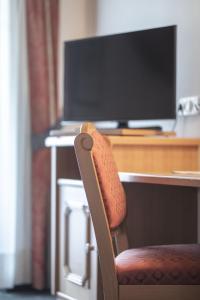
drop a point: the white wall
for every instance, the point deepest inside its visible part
(114, 16)
(82, 18)
(77, 20)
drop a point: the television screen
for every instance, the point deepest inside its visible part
(128, 76)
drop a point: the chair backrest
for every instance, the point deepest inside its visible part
(106, 198)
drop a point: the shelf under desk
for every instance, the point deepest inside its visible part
(170, 204)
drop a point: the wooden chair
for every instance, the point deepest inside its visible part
(164, 272)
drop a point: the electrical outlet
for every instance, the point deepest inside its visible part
(188, 106)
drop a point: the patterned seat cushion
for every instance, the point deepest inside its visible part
(166, 264)
(111, 188)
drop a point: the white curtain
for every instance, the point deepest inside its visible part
(15, 172)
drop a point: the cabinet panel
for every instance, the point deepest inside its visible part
(77, 250)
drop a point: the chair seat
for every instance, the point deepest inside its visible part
(166, 264)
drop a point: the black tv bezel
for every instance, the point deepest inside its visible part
(68, 118)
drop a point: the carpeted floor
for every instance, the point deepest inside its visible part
(23, 295)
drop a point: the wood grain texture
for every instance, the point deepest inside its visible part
(155, 154)
(147, 154)
(156, 140)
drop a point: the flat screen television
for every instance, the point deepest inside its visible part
(121, 77)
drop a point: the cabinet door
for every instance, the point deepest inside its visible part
(77, 253)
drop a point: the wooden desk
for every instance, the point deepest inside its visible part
(138, 154)
(155, 154)
(147, 154)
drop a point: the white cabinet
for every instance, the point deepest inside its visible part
(78, 260)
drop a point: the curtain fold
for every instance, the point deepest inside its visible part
(15, 200)
(42, 28)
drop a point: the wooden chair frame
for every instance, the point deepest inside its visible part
(112, 290)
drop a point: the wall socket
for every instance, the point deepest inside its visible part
(188, 106)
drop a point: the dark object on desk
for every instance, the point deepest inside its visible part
(158, 272)
(135, 132)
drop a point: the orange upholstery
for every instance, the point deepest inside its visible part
(111, 188)
(169, 264)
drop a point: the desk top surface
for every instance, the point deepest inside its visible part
(67, 141)
(162, 179)
(189, 180)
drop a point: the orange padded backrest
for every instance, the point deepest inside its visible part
(111, 188)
